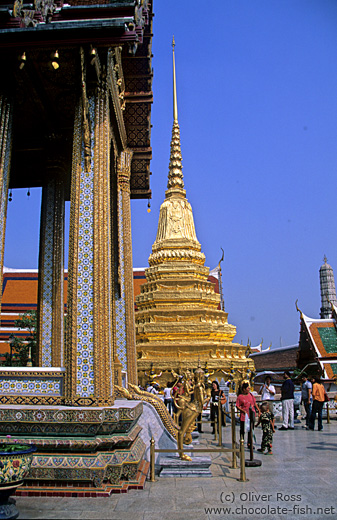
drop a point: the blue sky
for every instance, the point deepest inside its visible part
(257, 105)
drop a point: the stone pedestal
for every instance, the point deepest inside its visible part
(175, 467)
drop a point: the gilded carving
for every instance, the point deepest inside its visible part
(85, 116)
(43, 8)
(123, 180)
(5, 159)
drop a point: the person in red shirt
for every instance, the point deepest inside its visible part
(244, 402)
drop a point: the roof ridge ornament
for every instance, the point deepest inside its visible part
(297, 308)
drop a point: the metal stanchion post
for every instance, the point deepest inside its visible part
(250, 434)
(224, 413)
(242, 461)
(251, 462)
(214, 424)
(220, 421)
(327, 413)
(152, 459)
(234, 465)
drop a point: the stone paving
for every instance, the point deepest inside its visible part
(297, 481)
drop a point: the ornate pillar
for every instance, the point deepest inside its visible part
(89, 341)
(51, 276)
(5, 156)
(125, 323)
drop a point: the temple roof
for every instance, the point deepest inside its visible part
(322, 335)
(45, 99)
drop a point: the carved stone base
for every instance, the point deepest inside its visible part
(94, 449)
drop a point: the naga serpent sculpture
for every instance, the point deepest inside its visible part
(135, 393)
(189, 410)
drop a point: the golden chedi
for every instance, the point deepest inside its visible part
(178, 321)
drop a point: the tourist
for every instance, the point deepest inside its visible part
(287, 398)
(267, 422)
(306, 399)
(267, 391)
(216, 395)
(168, 400)
(244, 402)
(153, 388)
(318, 396)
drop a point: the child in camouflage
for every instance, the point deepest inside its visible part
(267, 422)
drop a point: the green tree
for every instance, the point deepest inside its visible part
(22, 350)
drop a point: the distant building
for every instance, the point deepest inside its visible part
(277, 360)
(328, 290)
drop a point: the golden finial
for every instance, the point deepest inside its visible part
(221, 259)
(175, 104)
(175, 178)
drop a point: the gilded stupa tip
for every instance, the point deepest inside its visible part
(175, 182)
(175, 104)
(176, 238)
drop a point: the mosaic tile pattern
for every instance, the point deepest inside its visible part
(96, 467)
(120, 302)
(85, 330)
(124, 411)
(31, 385)
(47, 278)
(329, 339)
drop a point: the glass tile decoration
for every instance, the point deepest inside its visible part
(47, 276)
(42, 385)
(328, 336)
(85, 331)
(120, 302)
(334, 368)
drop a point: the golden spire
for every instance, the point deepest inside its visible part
(176, 237)
(175, 104)
(175, 182)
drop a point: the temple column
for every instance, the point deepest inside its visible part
(5, 156)
(126, 336)
(89, 339)
(51, 276)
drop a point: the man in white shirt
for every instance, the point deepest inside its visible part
(267, 391)
(306, 399)
(153, 389)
